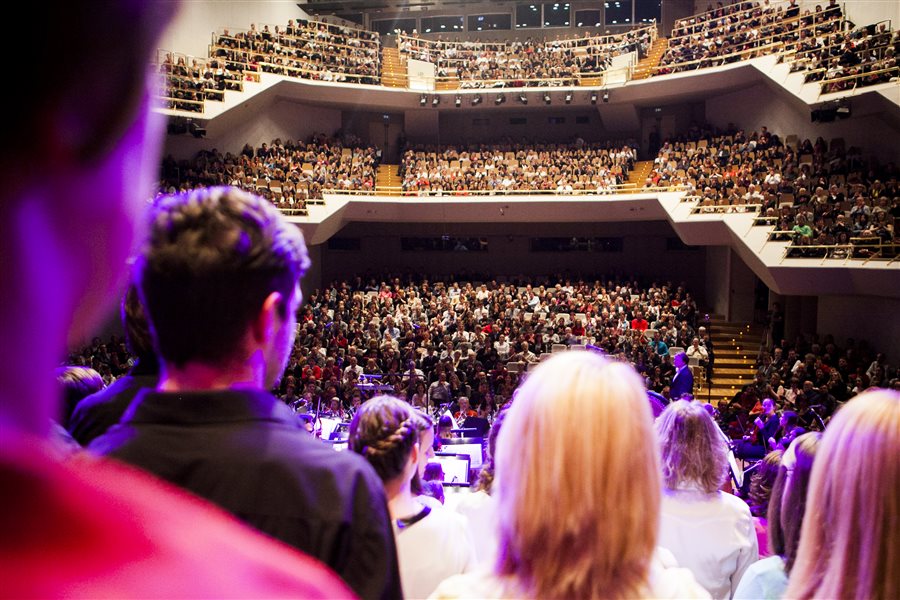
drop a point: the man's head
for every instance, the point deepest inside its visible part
(219, 277)
(680, 360)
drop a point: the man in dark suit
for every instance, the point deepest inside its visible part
(211, 426)
(683, 380)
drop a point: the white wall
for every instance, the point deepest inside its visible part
(874, 319)
(644, 251)
(759, 105)
(197, 19)
(280, 119)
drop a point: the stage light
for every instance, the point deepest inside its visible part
(546, 97)
(435, 100)
(500, 99)
(423, 99)
(476, 99)
(593, 97)
(523, 98)
(568, 97)
(605, 95)
(458, 101)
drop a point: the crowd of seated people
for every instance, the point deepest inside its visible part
(287, 173)
(434, 341)
(304, 49)
(741, 31)
(187, 86)
(815, 193)
(563, 168)
(516, 63)
(865, 56)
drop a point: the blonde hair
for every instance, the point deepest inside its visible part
(693, 448)
(848, 545)
(578, 481)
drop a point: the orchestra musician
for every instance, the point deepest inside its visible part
(756, 443)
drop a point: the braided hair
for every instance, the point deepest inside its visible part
(384, 431)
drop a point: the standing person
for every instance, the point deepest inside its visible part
(78, 162)
(432, 543)
(709, 532)
(683, 380)
(98, 412)
(848, 544)
(577, 409)
(210, 426)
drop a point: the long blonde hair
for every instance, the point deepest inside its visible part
(578, 481)
(849, 544)
(693, 449)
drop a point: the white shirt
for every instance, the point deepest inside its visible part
(662, 582)
(764, 579)
(480, 511)
(431, 550)
(710, 534)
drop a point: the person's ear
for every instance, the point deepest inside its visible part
(268, 320)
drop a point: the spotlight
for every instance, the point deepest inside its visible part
(435, 100)
(568, 97)
(523, 98)
(546, 97)
(476, 99)
(593, 97)
(605, 96)
(458, 101)
(423, 99)
(500, 99)
(196, 130)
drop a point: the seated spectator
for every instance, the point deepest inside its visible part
(851, 505)
(768, 578)
(709, 531)
(577, 409)
(432, 543)
(209, 426)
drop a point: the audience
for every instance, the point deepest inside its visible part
(289, 174)
(579, 410)
(745, 30)
(564, 168)
(709, 531)
(848, 547)
(209, 426)
(432, 543)
(768, 578)
(476, 64)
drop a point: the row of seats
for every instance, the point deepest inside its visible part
(830, 201)
(563, 168)
(471, 64)
(289, 174)
(819, 41)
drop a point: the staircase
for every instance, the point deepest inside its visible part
(644, 68)
(638, 175)
(393, 69)
(388, 176)
(735, 346)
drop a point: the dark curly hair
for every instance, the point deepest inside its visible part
(384, 431)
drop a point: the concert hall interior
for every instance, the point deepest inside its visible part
(454, 299)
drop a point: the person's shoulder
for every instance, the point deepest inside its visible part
(672, 582)
(735, 504)
(481, 584)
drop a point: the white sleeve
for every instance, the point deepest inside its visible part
(749, 554)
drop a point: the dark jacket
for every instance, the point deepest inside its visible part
(244, 451)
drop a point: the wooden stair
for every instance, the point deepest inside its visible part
(644, 68)
(388, 176)
(393, 69)
(638, 175)
(736, 346)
